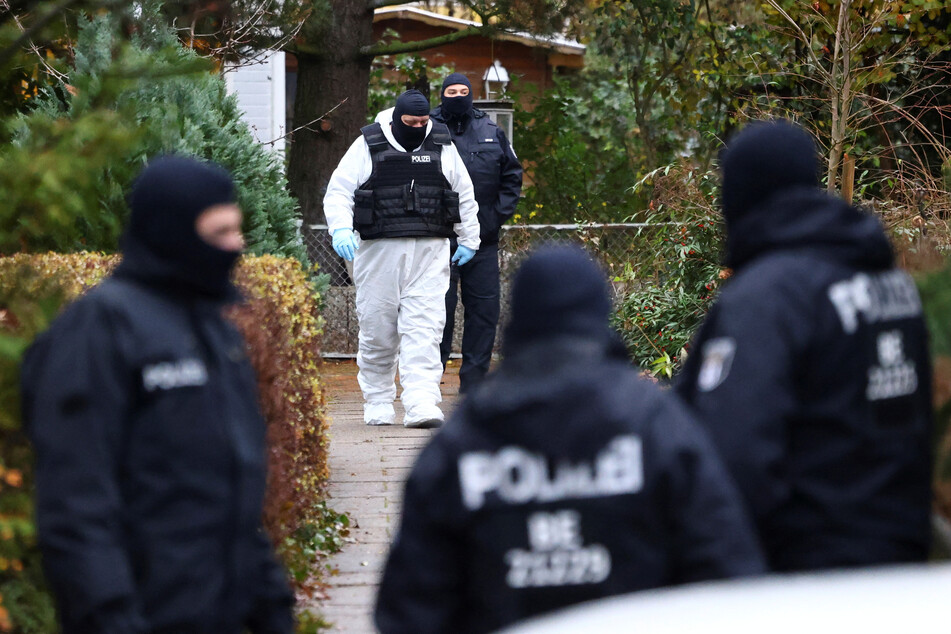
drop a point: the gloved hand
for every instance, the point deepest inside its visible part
(462, 255)
(345, 243)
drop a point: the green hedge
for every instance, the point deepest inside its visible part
(282, 325)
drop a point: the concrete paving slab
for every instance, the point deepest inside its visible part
(368, 468)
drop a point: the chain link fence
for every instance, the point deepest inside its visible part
(614, 245)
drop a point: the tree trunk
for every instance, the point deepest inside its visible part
(332, 87)
(841, 93)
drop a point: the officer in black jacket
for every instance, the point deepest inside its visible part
(562, 477)
(497, 178)
(150, 455)
(811, 371)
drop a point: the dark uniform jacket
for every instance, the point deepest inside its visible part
(811, 373)
(563, 477)
(150, 468)
(495, 171)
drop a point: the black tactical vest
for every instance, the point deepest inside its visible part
(407, 195)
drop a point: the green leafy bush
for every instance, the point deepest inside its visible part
(675, 278)
(324, 533)
(392, 75)
(282, 326)
(577, 146)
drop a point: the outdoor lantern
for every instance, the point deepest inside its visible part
(496, 78)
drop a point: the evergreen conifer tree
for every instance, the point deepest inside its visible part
(173, 108)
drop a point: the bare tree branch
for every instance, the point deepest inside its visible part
(916, 123)
(16, 7)
(33, 47)
(243, 40)
(306, 126)
(805, 38)
(35, 28)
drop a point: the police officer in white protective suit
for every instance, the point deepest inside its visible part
(397, 196)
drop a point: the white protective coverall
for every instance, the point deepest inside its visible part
(401, 283)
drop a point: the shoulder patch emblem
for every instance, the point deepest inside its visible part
(716, 362)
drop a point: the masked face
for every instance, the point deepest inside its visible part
(185, 228)
(457, 100)
(410, 130)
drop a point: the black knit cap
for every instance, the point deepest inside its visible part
(765, 159)
(558, 290)
(456, 78)
(160, 244)
(411, 102)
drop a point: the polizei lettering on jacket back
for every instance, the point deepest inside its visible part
(883, 297)
(518, 476)
(879, 299)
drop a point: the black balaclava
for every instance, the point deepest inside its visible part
(765, 159)
(414, 103)
(456, 107)
(558, 291)
(160, 245)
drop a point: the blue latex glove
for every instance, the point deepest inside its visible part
(462, 255)
(345, 243)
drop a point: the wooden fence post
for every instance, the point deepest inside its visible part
(848, 177)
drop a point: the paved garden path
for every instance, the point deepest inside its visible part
(368, 466)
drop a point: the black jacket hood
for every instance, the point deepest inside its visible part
(544, 375)
(161, 246)
(808, 218)
(142, 264)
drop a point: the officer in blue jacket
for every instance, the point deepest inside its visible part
(811, 371)
(562, 477)
(497, 178)
(150, 458)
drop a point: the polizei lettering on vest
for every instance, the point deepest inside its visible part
(517, 475)
(422, 158)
